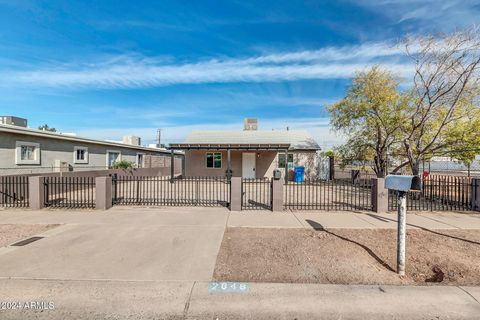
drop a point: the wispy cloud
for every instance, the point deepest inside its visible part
(140, 72)
(430, 15)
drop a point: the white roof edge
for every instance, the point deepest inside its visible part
(59, 136)
(298, 139)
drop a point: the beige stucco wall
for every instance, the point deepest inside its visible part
(60, 150)
(266, 162)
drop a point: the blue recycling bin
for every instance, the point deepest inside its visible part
(299, 174)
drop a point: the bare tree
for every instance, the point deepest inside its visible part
(445, 87)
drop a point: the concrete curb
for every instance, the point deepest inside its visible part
(92, 299)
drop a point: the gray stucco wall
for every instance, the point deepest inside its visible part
(55, 149)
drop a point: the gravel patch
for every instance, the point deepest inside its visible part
(348, 256)
(11, 233)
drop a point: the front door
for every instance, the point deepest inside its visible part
(248, 165)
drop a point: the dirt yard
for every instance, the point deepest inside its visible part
(348, 256)
(11, 233)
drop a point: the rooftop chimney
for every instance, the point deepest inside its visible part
(250, 124)
(132, 140)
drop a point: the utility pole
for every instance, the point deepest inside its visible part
(159, 138)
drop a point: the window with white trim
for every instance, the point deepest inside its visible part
(214, 160)
(80, 155)
(27, 152)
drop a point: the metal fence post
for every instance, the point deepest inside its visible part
(103, 194)
(331, 168)
(36, 192)
(236, 194)
(379, 195)
(475, 194)
(3, 193)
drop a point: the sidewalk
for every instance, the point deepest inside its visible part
(170, 216)
(192, 300)
(352, 220)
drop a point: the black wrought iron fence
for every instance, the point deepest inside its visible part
(69, 192)
(256, 194)
(439, 193)
(314, 194)
(14, 191)
(163, 191)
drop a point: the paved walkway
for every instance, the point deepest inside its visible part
(193, 300)
(352, 220)
(125, 244)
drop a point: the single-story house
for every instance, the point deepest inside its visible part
(248, 153)
(30, 151)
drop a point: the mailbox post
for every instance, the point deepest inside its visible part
(402, 184)
(401, 231)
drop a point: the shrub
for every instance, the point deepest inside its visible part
(123, 165)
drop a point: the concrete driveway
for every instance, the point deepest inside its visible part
(124, 244)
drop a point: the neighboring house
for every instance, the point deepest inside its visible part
(249, 153)
(24, 150)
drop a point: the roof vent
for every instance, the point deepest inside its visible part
(13, 121)
(250, 124)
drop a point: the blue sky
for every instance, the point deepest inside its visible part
(103, 69)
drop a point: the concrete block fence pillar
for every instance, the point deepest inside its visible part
(379, 195)
(476, 194)
(103, 193)
(277, 195)
(236, 194)
(36, 192)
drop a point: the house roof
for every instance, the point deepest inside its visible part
(56, 135)
(249, 139)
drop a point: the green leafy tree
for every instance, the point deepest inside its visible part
(463, 139)
(370, 116)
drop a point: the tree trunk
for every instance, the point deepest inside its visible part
(416, 168)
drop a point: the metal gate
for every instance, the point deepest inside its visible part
(165, 191)
(439, 193)
(14, 191)
(315, 194)
(257, 194)
(69, 192)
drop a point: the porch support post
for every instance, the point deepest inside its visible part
(229, 164)
(172, 165)
(236, 194)
(36, 192)
(379, 195)
(103, 193)
(286, 166)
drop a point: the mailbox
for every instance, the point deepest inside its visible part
(277, 174)
(403, 183)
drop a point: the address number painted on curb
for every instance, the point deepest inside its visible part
(241, 287)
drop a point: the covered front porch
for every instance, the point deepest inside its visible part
(240, 160)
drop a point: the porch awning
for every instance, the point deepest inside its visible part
(225, 146)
